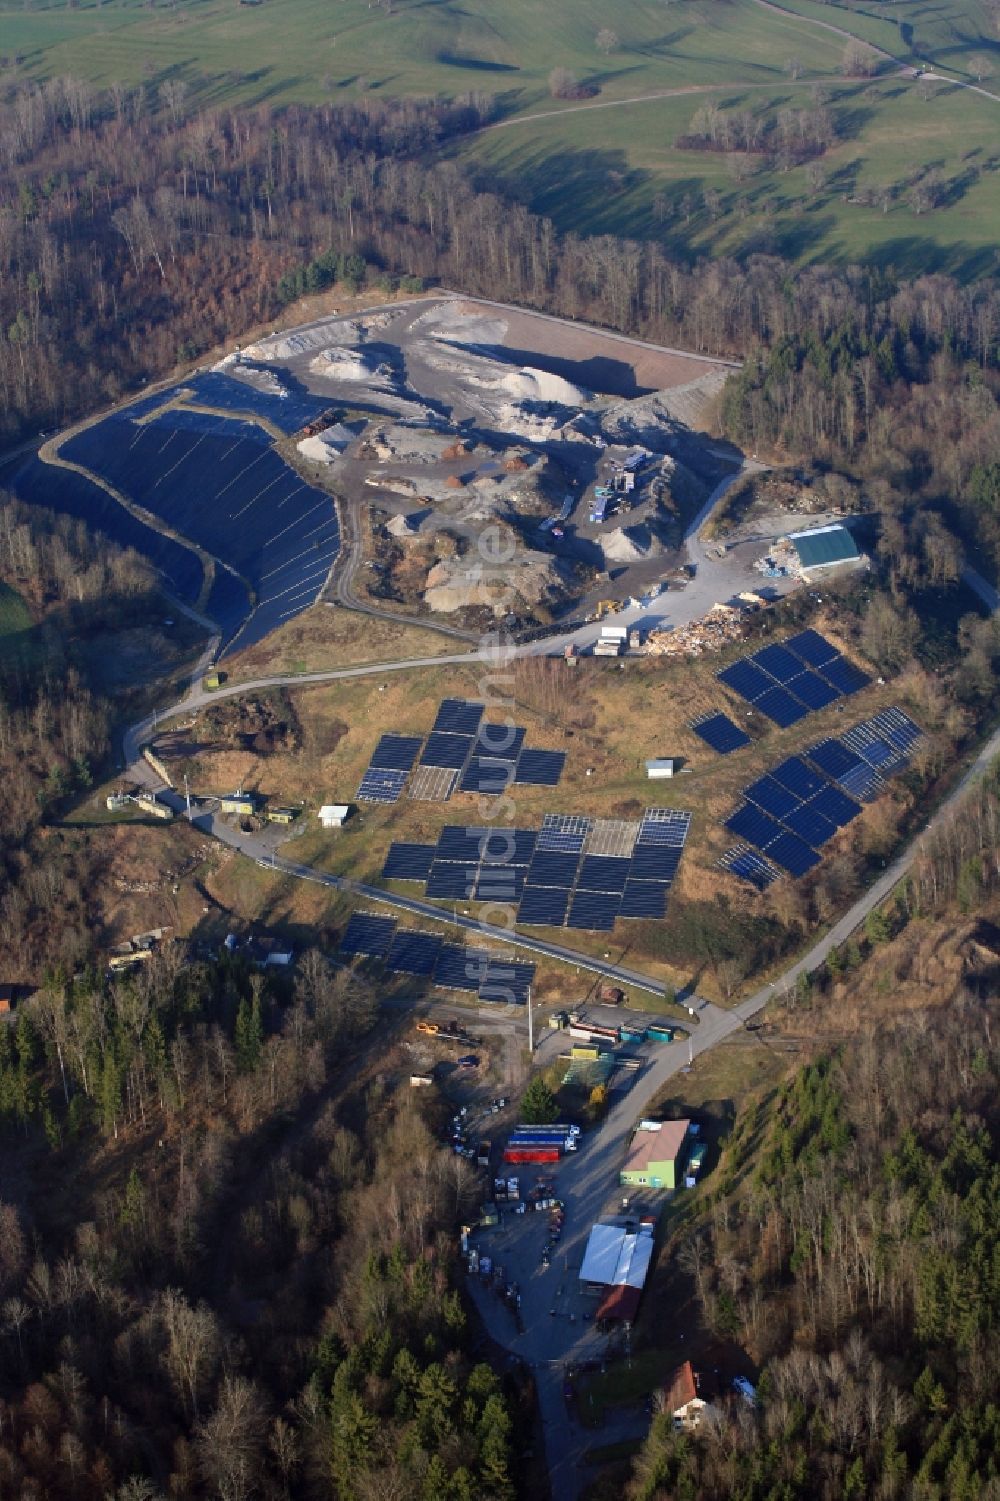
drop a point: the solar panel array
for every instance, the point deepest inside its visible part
(461, 750)
(750, 865)
(567, 883)
(223, 484)
(575, 870)
(718, 731)
(788, 681)
(496, 978)
(792, 811)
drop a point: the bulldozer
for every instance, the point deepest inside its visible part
(431, 1028)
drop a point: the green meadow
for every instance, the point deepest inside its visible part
(910, 181)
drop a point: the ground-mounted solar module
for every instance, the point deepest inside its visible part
(667, 826)
(832, 757)
(457, 842)
(792, 854)
(872, 748)
(506, 981)
(395, 752)
(745, 679)
(368, 933)
(446, 750)
(750, 865)
(771, 796)
(433, 784)
(718, 731)
(451, 881)
(898, 728)
(503, 846)
(500, 883)
(540, 768)
(813, 691)
(413, 953)
(810, 825)
(603, 873)
(861, 781)
(779, 663)
(459, 716)
(552, 868)
(378, 786)
(563, 831)
(501, 740)
(643, 899)
(543, 906)
(488, 776)
(810, 647)
(612, 836)
(779, 706)
(757, 828)
(654, 862)
(459, 968)
(408, 862)
(836, 806)
(798, 777)
(593, 911)
(844, 676)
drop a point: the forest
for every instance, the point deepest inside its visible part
(228, 1266)
(851, 1240)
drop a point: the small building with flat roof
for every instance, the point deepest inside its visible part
(333, 815)
(652, 1157)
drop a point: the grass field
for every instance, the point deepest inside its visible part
(599, 169)
(276, 53)
(603, 171)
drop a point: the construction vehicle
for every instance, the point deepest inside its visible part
(604, 607)
(431, 1028)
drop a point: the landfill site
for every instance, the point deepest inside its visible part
(450, 419)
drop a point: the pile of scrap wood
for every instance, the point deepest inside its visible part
(722, 625)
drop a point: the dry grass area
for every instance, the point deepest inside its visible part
(327, 637)
(609, 718)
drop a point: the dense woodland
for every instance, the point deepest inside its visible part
(851, 1240)
(54, 723)
(226, 1271)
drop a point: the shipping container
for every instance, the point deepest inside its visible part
(531, 1154)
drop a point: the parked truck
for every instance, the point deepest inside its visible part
(612, 641)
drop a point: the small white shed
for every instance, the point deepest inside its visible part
(333, 815)
(658, 769)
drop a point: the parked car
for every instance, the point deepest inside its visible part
(746, 1390)
(468, 1061)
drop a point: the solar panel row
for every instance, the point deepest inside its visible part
(458, 716)
(494, 977)
(790, 680)
(381, 786)
(750, 866)
(718, 731)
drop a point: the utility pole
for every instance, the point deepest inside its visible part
(531, 1030)
(187, 796)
